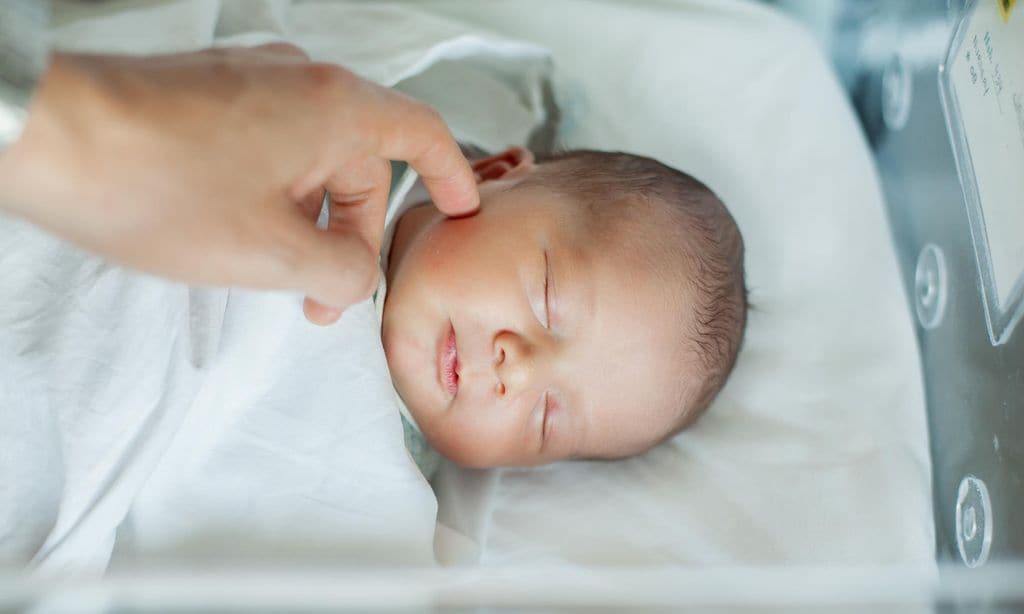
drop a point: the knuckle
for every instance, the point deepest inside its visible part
(322, 77)
(324, 74)
(327, 78)
(431, 116)
(327, 88)
(284, 48)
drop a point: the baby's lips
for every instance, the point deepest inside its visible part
(448, 361)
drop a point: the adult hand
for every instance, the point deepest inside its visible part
(210, 167)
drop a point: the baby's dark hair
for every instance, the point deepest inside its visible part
(704, 238)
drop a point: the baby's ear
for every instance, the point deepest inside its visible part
(512, 163)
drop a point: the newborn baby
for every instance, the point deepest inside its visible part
(592, 308)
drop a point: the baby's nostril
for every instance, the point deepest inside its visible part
(500, 388)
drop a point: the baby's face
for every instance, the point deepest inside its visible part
(517, 338)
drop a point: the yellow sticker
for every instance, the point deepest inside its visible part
(1005, 8)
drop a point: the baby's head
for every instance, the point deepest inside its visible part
(592, 308)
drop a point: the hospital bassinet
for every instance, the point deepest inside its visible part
(868, 452)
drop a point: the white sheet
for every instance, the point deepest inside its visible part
(204, 423)
(817, 449)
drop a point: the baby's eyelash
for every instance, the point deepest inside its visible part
(547, 277)
(544, 419)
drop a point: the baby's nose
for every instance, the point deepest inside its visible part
(514, 363)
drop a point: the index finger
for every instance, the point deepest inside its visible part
(414, 132)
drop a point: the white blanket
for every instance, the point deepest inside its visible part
(222, 420)
(141, 418)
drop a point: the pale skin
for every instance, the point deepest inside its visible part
(568, 345)
(210, 167)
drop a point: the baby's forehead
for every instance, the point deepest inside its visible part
(640, 233)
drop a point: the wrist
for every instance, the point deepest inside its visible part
(45, 166)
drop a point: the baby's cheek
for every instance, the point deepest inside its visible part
(435, 262)
(401, 364)
(465, 438)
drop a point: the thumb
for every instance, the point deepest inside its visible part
(320, 314)
(338, 269)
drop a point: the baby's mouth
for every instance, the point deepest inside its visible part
(448, 363)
